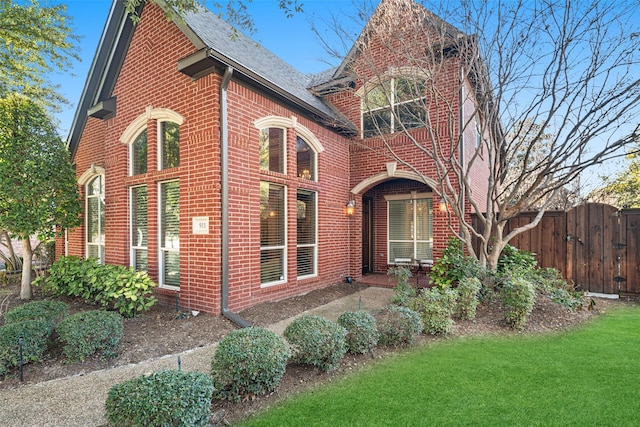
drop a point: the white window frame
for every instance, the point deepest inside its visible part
(161, 249)
(101, 216)
(284, 247)
(411, 196)
(315, 231)
(132, 236)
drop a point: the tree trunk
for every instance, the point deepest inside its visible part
(27, 255)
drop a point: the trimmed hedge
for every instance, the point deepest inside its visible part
(316, 341)
(49, 311)
(35, 336)
(398, 325)
(362, 333)
(518, 296)
(166, 398)
(88, 332)
(250, 361)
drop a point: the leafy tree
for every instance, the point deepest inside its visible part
(569, 67)
(35, 40)
(38, 189)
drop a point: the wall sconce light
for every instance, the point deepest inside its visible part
(443, 207)
(350, 208)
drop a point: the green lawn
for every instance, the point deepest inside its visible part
(587, 377)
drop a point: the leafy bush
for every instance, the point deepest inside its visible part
(453, 266)
(362, 333)
(436, 308)
(166, 398)
(122, 288)
(549, 282)
(250, 361)
(403, 291)
(88, 332)
(468, 290)
(518, 296)
(516, 262)
(316, 341)
(398, 325)
(49, 311)
(35, 336)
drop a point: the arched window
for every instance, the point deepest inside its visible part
(272, 149)
(169, 145)
(94, 212)
(394, 104)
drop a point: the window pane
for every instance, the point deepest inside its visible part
(171, 268)
(408, 89)
(170, 215)
(305, 158)
(424, 218)
(400, 219)
(376, 122)
(139, 230)
(93, 220)
(306, 261)
(272, 150)
(411, 114)
(400, 250)
(139, 154)
(271, 265)
(170, 133)
(378, 97)
(272, 215)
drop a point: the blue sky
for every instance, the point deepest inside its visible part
(289, 38)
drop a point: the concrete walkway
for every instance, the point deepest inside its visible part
(79, 400)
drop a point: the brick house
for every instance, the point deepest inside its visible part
(234, 179)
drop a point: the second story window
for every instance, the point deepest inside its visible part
(396, 104)
(306, 160)
(272, 150)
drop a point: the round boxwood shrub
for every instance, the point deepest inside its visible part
(362, 333)
(35, 336)
(166, 398)
(398, 325)
(49, 311)
(248, 361)
(436, 307)
(316, 341)
(88, 332)
(468, 290)
(518, 297)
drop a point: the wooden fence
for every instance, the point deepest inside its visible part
(595, 246)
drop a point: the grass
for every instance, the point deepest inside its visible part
(586, 377)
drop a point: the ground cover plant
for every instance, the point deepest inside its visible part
(580, 377)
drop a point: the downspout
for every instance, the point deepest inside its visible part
(224, 171)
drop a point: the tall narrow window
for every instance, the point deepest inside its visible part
(272, 150)
(410, 229)
(306, 230)
(169, 233)
(306, 160)
(139, 245)
(95, 218)
(169, 145)
(139, 154)
(272, 233)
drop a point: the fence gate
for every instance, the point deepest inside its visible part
(596, 246)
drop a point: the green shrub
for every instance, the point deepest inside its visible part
(403, 291)
(111, 286)
(35, 336)
(453, 266)
(88, 332)
(316, 341)
(250, 361)
(398, 325)
(468, 290)
(49, 311)
(518, 296)
(362, 332)
(516, 262)
(166, 398)
(436, 308)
